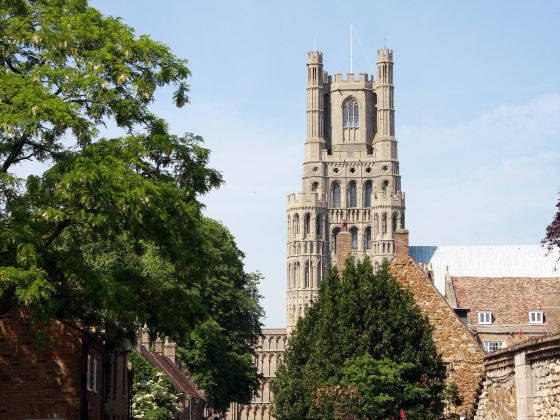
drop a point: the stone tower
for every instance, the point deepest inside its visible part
(350, 176)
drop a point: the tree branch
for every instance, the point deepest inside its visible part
(13, 155)
(56, 232)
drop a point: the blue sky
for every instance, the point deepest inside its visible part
(477, 100)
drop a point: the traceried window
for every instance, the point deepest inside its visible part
(351, 113)
(484, 317)
(335, 194)
(490, 346)
(352, 194)
(367, 194)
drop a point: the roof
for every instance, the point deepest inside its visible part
(508, 298)
(165, 365)
(486, 261)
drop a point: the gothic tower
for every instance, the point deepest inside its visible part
(350, 176)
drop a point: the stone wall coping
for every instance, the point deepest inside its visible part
(533, 349)
(274, 331)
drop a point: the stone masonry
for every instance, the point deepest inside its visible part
(458, 347)
(522, 381)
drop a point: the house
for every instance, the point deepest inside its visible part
(60, 371)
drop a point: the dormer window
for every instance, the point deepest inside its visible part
(536, 317)
(484, 317)
(350, 113)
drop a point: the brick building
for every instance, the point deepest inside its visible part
(60, 372)
(496, 309)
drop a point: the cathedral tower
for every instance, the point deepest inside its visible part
(350, 176)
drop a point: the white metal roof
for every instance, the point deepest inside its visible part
(487, 261)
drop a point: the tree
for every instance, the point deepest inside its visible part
(363, 350)
(111, 236)
(552, 239)
(158, 400)
(219, 352)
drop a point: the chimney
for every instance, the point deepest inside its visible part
(170, 350)
(343, 249)
(401, 244)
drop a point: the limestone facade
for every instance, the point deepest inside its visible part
(522, 381)
(350, 176)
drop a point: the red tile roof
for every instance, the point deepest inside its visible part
(181, 381)
(509, 298)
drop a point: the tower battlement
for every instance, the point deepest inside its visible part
(384, 55)
(350, 78)
(314, 57)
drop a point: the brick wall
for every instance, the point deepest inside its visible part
(42, 376)
(457, 346)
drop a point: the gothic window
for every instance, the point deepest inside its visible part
(395, 221)
(307, 224)
(306, 275)
(367, 238)
(367, 194)
(318, 274)
(318, 222)
(335, 193)
(385, 186)
(402, 220)
(352, 194)
(295, 226)
(354, 233)
(335, 233)
(351, 113)
(315, 187)
(384, 223)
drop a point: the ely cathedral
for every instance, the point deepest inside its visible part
(350, 176)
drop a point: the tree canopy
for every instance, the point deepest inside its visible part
(552, 238)
(111, 235)
(363, 350)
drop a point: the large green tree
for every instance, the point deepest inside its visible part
(219, 353)
(363, 350)
(110, 236)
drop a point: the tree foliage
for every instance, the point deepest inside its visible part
(552, 238)
(219, 352)
(111, 235)
(363, 350)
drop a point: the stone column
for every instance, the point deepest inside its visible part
(523, 387)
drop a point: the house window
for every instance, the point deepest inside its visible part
(490, 346)
(485, 317)
(536, 317)
(351, 113)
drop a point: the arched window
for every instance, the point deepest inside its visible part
(352, 194)
(376, 223)
(297, 271)
(384, 223)
(367, 238)
(307, 224)
(315, 187)
(335, 233)
(402, 220)
(368, 189)
(394, 221)
(318, 278)
(385, 186)
(354, 233)
(335, 193)
(318, 224)
(306, 275)
(295, 226)
(350, 113)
